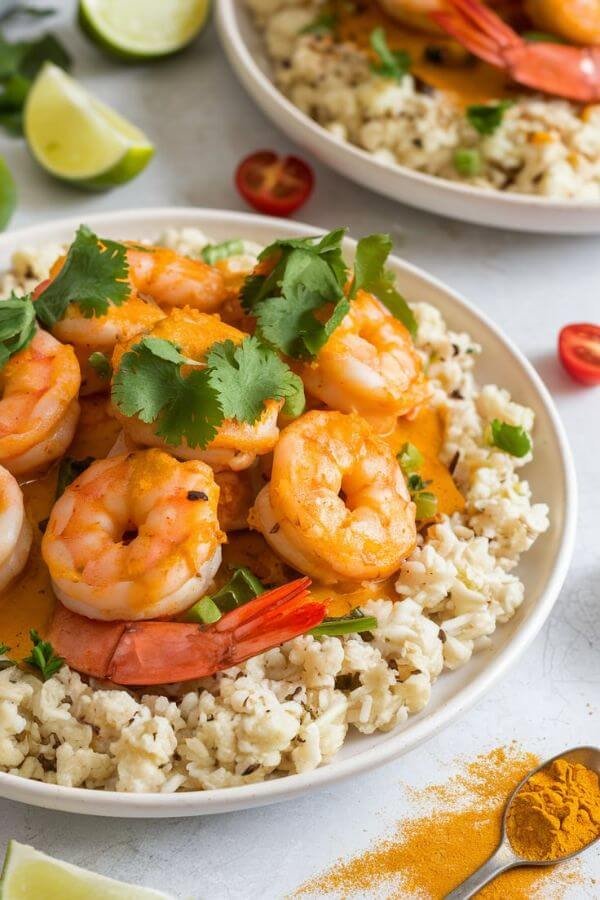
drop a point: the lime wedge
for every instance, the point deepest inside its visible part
(8, 194)
(79, 139)
(28, 873)
(143, 29)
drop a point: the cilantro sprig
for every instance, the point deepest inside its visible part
(371, 275)
(512, 439)
(19, 64)
(487, 117)
(17, 326)
(93, 276)
(43, 657)
(153, 382)
(392, 63)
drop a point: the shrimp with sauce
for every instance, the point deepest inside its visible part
(39, 409)
(236, 444)
(337, 507)
(15, 529)
(369, 365)
(135, 536)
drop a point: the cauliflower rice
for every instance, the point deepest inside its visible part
(543, 146)
(290, 709)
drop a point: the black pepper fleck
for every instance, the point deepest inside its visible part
(197, 495)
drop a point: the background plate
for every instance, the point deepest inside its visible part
(551, 475)
(519, 212)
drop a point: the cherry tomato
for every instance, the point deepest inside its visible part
(579, 351)
(272, 184)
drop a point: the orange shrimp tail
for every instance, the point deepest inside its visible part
(570, 72)
(148, 653)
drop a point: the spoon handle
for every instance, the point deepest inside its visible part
(500, 861)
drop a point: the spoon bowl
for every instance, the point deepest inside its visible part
(505, 857)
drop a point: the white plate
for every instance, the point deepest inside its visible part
(520, 212)
(551, 476)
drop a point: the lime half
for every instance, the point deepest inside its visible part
(28, 873)
(8, 194)
(143, 29)
(79, 139)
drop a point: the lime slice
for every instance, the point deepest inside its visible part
(8, 194)
(79, 139)
(143, 29)
(28, 873)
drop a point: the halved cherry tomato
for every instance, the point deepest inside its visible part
(272, 184)
(579, 351)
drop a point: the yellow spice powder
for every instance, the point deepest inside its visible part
(431, 854)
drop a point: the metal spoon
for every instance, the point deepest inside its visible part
(505, 857)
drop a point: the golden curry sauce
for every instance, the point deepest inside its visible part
(465, 80)
(29, 601)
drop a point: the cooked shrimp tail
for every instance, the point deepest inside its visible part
(133, 653)
(570, 72)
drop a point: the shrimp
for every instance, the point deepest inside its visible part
(570, 72)
(237, 494)
(38, 406)
(414, 13)
(134, 537)
(369, 365)
(146, 653)
(577, 21)
(15, 530)
(237, 444)
(174, 280)
(337, 507)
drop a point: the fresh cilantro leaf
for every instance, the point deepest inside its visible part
(68, 470)
(212, 253)
(487, 117)
(93, 276)
(291, 323)
(392, 63)
(100, 363)
(322, 24)
(246, 375)
(46, 49)
(370, 275)
(149, 385)
(19, 64)
(17, 326)
(43, 656)
(15, 91)
(512, 439)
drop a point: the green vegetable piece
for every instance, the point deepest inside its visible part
(17, 326)
(410, 458)
(68, 470)
(100, 363)
(93, 276)
(354, 623)
(370, 275)
(427, 504)
(467, 161)
(204, 611)
(212, 253)
(4, 648)
(487, 117)
(542, 37)
(43, 657)
(322, 24)
(512, 439)
(392, 63)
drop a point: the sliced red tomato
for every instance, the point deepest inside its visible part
(272, 184)
(579, 351)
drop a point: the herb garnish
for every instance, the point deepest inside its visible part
(512, 439)
(233, 383)
(43, 656)
(93, 276)
(17, 326)
(5, 663)
(68, 470)
(467, 161)
(426, 502)
(212, 253)
(324, 23)
(19, 64)
(487, 117)
(392, 63)
(4, 648)
(370, 275)
(101, 365)
(410, 458)
(353, 623)
(242, 587)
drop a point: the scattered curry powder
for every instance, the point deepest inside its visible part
(432, 853)
(556, 812)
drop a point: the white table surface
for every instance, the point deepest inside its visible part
(202, 123)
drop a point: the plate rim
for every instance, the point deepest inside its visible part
(246, 67)
(121, 804)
